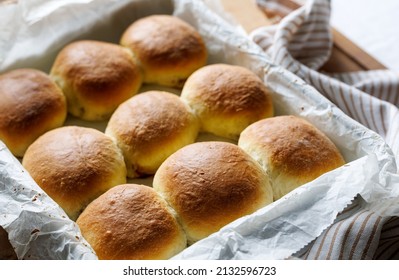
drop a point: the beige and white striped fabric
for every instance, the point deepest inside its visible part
(302, 43)
(357, 233)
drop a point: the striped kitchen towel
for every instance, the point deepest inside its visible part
(360, 232)
(302, 42)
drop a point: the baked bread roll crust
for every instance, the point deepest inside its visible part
(31, 104)
(168, 48)
(227, 98)
(291, 150)
(96, 77)
(132, 222)
(210, 184)
(74, 165)
(149, 127)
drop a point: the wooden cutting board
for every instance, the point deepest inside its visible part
(346, 56)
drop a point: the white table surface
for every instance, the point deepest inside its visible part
(372, 24)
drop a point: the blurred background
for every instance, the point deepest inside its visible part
(372, 25)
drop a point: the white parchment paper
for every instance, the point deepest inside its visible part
(36, 30)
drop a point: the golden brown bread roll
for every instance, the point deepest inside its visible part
(168, 48)
(74, 165)
(291, 150)
(210, 184)
(132, 222)
(30, 104)
(96, 77)
(227, 98)
(149, 127)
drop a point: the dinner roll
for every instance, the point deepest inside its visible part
(227, 98)
(149, 127)
(74, 165)
(210, 184)
(291, 150)
(132, 222)
(168, 48)
(30, 104)
(96, 77)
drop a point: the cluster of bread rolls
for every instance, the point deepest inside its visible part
(198, 187)
(196, 191)
(89, 80)
(206, 185)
